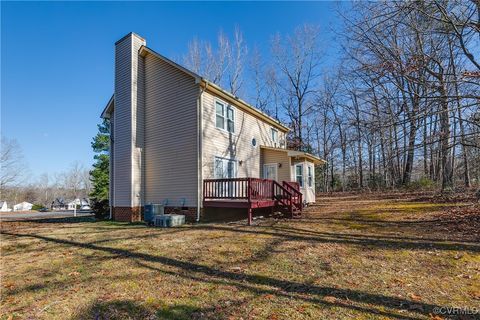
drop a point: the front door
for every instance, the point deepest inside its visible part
(270, 171)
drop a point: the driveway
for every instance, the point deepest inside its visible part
(10, 216)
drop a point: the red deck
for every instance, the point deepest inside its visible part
(252, 193)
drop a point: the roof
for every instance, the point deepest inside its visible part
(108, 109)
(24, 203)
(208, 86)
(298, 154)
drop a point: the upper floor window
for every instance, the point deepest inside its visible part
(274, 135)
(224, 117)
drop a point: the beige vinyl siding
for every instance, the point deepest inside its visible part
(277, 157)
(138, 130)
(128, 130)
(237, 145)
(123, 121)
(171, 171)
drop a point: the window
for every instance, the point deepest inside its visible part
(220, 115)
(225, 168)
(274, 135)
(230, 120)
(310, 176)
(299, 174)
(224, 117)
(254, 142)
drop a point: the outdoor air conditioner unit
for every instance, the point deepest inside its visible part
(151, 210)
(169, 220)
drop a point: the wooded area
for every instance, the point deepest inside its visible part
(400, 110)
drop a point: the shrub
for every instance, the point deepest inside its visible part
(37, 206)
(421, 184)
(101, 208)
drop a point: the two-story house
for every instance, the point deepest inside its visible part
(173, 131)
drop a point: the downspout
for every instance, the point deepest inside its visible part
(200, 148)
(111, 168)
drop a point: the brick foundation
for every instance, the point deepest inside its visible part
(189, 212)
(127, 214)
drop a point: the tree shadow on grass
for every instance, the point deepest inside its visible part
(384, 242)
(128, 309)
(427, 241)
(113, 310)
(344, 298)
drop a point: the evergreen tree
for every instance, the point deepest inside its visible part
(99, 175)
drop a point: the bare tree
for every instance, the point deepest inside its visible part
(223, 63)
(13, 167)
(297, 61)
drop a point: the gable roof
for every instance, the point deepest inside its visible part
(297, 154)
(107, 111)
(208, 86)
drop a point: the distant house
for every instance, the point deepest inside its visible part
(3, 206)
(72, 204)
(59, 204)
(23, 206)
(81, 204)
(181, 140)
(85, 204)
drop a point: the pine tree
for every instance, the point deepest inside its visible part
(99, 175)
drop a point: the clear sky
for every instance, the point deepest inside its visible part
(57, 60)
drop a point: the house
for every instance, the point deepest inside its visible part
(179, 140)
(71, 205)
(59, 204)
(23, 206)
(3, 206)
(81, 204)
(85, 204)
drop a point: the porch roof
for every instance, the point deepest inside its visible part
(297, 154)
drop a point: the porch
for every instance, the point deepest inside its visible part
(253, 193)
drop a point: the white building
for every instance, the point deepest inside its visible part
(23, 206)
(3, 206)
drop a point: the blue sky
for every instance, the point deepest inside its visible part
(57, 60)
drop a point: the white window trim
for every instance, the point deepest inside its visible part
(225, 118)
(276, 170)
(235, 166)
(275, 142)
(256, 142)
(310, 183)
(302, 185)
(272, 129)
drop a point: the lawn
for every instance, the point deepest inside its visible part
(349, 257)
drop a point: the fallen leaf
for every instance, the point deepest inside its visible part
(475, 295)
(414, 297)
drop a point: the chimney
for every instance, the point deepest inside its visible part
(128, 126)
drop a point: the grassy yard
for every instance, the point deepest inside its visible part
(350, 257)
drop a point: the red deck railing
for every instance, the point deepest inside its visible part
(237, 188)
(286, 194)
